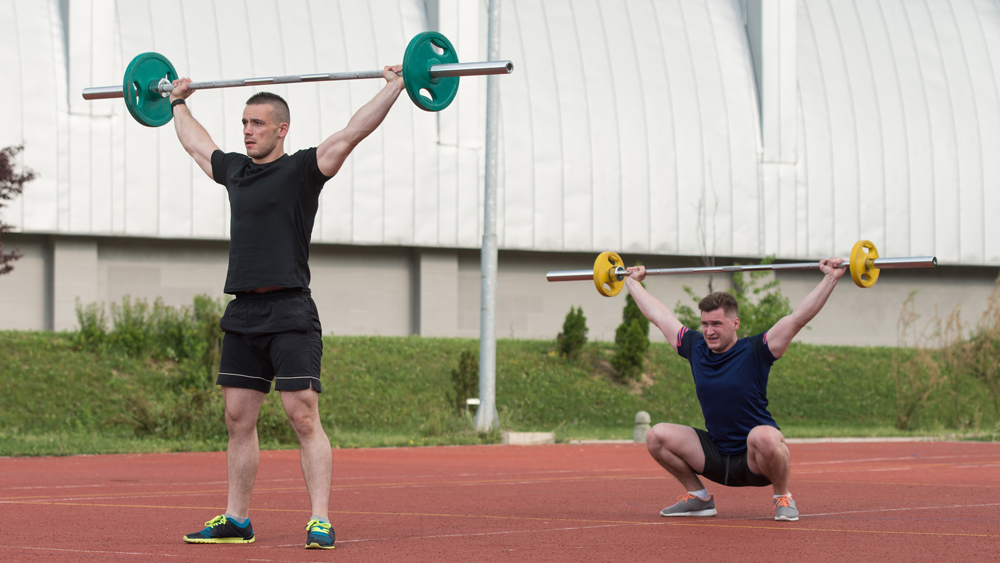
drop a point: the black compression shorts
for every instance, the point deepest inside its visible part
(730, 470)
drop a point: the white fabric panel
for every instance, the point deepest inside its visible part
(40, 85)
(368, 216)
(12, 120)
(943, 133)
(892, 130)
(661, 160)
(606, 162)
(869, 183)
(173, 184)
(717, 189)
(684, 96)
(626, 76)
(206, 60)
(333, 222)
(630, 125)
(968, 144)
(468, 113)
(743, 130)
(980, 24)
(574, 129)
(547, 182)
(816, 148)
(517, 136)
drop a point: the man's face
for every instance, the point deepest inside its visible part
(719, 329)
(260, 132)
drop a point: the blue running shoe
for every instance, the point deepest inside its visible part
(320, 535)
(221, 530)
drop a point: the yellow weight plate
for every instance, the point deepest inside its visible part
(605, 280)
(863, 269)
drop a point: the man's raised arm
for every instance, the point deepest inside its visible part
(656, 312)
(195, 140)
(331, 153)
(781, 334)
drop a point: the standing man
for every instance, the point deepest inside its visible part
(743, 446)
(272, 328)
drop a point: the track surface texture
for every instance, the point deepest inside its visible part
(895, 501)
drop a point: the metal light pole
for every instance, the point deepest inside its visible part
(486, 415)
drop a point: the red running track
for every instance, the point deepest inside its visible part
(901, 501)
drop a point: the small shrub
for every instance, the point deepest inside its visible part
(132, 335)
(465, 380)
(574, 333)
(631, 342)
(93, 333)
(917, 377)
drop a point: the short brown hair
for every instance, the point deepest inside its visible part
(281, 113)
(720, 299)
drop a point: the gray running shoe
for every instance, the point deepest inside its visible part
(690, 505)
(784, 509)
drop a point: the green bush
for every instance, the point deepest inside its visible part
(464, 380)
(574, 333)
(761, 304)
(93, 333)
(631, 342)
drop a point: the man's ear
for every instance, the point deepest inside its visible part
(736, 321)
(282, 130)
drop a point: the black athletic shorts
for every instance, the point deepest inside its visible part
(274, 336)
(730, 470)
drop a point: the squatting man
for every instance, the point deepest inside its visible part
(742, 446)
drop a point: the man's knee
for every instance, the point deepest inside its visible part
(767, 441)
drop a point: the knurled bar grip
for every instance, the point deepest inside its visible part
(881, 263)
(436, 71)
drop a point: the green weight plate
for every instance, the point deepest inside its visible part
(139, 85)
(430, 94)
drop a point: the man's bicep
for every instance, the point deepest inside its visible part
(781, 334)
(332, 153)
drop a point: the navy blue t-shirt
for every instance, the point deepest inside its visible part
(731, 387)
(273, 208)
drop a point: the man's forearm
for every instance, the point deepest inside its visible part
(655, 311)
(811, 304)
(371, 115)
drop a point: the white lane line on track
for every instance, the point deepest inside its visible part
(407, 538)
(214, 557)
(901, 509)
(903, 458)
(336, 479)
(88, 551)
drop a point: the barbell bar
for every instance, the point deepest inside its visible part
(609, 272)
(164, 87)
(430, 73)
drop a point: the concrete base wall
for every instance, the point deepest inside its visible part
(435, 292)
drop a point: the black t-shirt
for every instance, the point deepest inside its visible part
(273, 208)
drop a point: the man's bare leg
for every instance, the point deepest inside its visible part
(767, 455)
(302, 408)
(678, 449)
(243, 453)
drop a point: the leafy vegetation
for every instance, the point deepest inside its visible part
(70, 393)
(631, 342)
(761, 302)
(574, 333)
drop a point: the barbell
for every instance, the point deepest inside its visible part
(609, 271)
(430, 73)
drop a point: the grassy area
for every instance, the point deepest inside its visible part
(386, 391)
